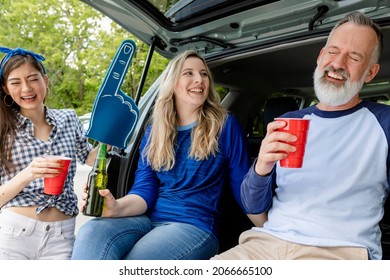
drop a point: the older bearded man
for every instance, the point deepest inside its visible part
(331, 207)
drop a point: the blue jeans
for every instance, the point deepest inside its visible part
(137, 238)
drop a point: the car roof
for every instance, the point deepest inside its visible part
(213, 27)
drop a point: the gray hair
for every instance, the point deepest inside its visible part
(359, 18)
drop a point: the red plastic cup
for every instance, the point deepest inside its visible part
(54, 186)
(298, 127)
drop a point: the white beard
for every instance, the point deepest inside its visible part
(332, 94)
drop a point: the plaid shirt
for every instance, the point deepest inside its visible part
(66, 139)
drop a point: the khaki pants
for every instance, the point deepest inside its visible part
(254, 245)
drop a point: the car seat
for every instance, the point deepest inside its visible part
(233, 220)
(277, 106)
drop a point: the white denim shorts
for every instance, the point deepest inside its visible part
(23, 238)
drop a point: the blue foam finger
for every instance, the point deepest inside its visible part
(114, 114)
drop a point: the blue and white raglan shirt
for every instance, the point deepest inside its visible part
(67, 139)
(337, 197)
(190, 191)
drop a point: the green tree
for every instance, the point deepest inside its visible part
(78, 43)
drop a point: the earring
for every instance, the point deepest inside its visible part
(8, 104)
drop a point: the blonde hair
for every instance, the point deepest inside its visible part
(159, 151)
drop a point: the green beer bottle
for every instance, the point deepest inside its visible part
(97, 180)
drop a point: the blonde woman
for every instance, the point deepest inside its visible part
(190, 151)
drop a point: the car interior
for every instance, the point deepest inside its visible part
(263, 82)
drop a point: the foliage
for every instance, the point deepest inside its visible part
(78, 43)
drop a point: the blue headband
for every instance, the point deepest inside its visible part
(18, 51)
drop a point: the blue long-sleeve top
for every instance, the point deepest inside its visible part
(190, 191)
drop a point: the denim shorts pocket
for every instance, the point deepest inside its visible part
(68, 235)
(67, 231)
(7, 230)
